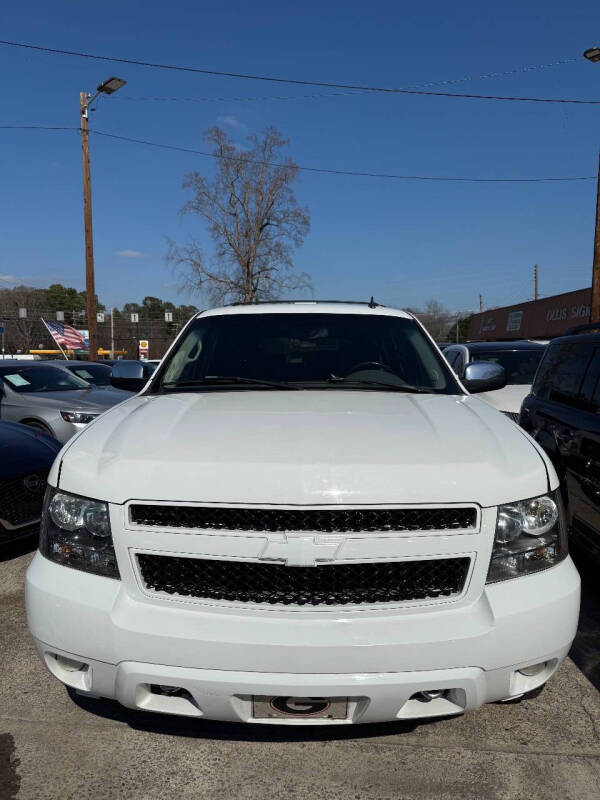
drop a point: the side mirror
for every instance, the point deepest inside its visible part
(484, 376)
(128, 375)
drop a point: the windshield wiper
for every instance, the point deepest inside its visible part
(222, 380)
(393, 387)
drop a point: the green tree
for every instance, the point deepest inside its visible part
(63, 298)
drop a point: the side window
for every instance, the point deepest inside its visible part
(451, 356)
(459, 364)
(590, 390)
(561, 374)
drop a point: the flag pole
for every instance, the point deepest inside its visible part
(52, 336)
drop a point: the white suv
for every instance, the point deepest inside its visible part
(304, 517)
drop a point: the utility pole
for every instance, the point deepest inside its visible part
(86, 100)
(90, 289)
(595, 306)
(480, 303)
(536, 294)
(112, 332)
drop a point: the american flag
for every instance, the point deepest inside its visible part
(66, 336)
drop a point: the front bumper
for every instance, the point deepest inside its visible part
(377, 659)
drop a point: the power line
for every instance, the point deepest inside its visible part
(354, 173)
(327, 95)
(38, 128)
(320, 170)
(291, 81)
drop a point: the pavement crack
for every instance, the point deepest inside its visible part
(590, 716)
(10, 780)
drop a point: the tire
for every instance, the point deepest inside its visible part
(39, 426)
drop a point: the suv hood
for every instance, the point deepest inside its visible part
(330, 447)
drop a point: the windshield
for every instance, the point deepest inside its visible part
(98, 374)
(520, 365)
(328, 351)
(40, 379)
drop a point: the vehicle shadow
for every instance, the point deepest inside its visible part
(168, 725)
(19, 548)
(585, 651)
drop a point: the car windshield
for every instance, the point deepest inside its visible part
(306, 350)
(41, 379)
(519, 365)
(98, 374)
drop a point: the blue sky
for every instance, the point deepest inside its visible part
(402, 242)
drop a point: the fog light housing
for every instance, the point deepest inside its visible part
(69, 664)
(427, 695)
(533, 670)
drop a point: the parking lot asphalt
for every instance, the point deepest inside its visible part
(53, 745)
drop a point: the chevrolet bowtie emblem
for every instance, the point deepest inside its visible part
(301, 551)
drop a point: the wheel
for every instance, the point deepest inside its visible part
(39, 426)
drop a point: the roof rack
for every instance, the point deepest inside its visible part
(371, 303)
(589, 326)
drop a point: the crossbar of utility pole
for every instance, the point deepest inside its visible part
(595, 305)
(90, 288)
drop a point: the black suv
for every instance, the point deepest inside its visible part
(562, 413)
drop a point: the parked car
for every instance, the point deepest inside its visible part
(519, 360)
(51, 399)
(304, 516)
(94, 372)
(562, 413)
(26, 456)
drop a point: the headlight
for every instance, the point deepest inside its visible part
(75, 532)
(81, 417)
(531, 535)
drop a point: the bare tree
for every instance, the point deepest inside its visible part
(253, 218)
(436, 318)
(22, 332)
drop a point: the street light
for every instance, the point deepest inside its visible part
(110, 86)
(593, 54)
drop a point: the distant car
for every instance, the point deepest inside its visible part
(51, 399)
(562, 413)
(93, 372)
(519, 360)
(26, 456)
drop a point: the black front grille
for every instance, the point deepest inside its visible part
(327, 584)
(326, 521)
(21, 498)
(514, 415)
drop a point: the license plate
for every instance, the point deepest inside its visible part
(268, 707)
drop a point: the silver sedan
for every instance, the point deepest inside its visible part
(51, 398)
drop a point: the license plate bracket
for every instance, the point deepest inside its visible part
(297, 708)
